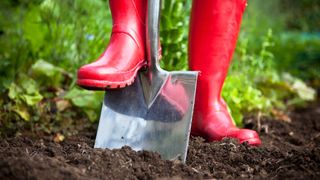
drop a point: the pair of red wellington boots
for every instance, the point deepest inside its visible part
(213, 34)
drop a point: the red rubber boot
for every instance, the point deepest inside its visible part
(213, 34)
(125, 54)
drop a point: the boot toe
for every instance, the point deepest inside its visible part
(249, 136)
(97, 76)
(218, 125)
(96, 72)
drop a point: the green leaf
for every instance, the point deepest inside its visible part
(306, 93)
(26, 90)
(91, 114)
(50, 8)
(14, 91)
(47, 73)
(33, 29)
(22, 111)
(32, 100)
(236, 116)
(88, 101)
(28, 84)
(84, 98)
(299, 87)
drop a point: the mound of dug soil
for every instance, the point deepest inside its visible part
(289, 150)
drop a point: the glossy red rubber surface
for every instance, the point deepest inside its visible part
(213, 34)
(125, 54)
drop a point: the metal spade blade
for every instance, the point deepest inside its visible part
(155, 112)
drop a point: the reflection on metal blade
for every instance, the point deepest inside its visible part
(126, 119)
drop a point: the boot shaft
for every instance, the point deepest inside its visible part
(214, 28)
(213, 34)
(129, 14)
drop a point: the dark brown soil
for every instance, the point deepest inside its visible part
(289, 150)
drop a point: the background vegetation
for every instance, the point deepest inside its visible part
(44, 42)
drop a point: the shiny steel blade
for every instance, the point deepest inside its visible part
(164, 127)
(155, 112)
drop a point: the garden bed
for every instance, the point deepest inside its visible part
(289, 150)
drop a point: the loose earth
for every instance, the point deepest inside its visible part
(290, 150)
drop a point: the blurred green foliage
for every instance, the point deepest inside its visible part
(255, 85)
(303, 59)
(302, 15)
(174, 34)
(44, 42)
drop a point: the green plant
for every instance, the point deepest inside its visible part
(301, 14)
(43, 44)
(303, 59)
(255, 85)
(174, 34)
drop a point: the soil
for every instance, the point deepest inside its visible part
(290, 150)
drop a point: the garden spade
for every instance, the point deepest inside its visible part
(155, 112)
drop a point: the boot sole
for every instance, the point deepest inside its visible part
(250, 141)
(93, 84)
